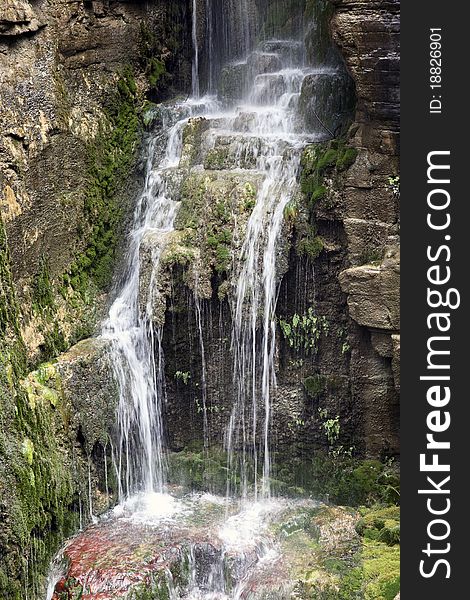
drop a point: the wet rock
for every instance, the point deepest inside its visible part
(291, 51)
(233, 82)
(86, 375)
(327, 103)
(192, 141)
(264, 62)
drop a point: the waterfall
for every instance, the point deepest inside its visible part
(195, 67)
(255, 122)
(269, 121)
(258, 123)
(200, 331)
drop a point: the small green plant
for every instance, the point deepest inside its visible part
(183, 376)
(343, 337)
(394, 185)
(303, 332)
(310, 246)
(331, 427)
(291, 211)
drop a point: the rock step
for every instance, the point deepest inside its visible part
(231, 151)
(264, 62)
(291, 51)
(264, 121)
(237, 78)
(270, 88)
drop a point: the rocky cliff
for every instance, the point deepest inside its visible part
(75, 78)
(367, 34)
(339, 263)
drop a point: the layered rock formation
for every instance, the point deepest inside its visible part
(74, 78)
(339, 257)
(367, 34)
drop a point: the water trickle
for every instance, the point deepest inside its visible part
(195, 67)
(203, 386)
(93, 519)
(263, 133)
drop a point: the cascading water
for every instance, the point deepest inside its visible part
(259, 127)
(195, 69)
(135, 343)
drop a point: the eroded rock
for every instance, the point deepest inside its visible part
(373, 293)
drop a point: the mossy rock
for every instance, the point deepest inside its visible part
(310, 246)
(314, 385)
(197, 469)
(381, 524)
(381, 568)
(346, 159)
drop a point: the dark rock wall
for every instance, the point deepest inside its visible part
(367, 34)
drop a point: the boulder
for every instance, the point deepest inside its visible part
(374, 293)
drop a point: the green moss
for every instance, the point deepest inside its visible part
(381, 524)
(197, 469)
(291, 212)
(9, 312)
(326, 160)
(346, 158)
(222, 258)
(153, 68)
(310, 246)
(210, 210)
(216, 159)
(250, 197)
(54, 342)
(381, 568)
(342, 479)
(317, 160)
(314, 385)
(43, 293)
(371, 256)
(317, 194)
(111, 156)
(27, 449)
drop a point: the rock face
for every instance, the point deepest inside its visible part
(73, 74)
(367, 34)
(54, 460)
(343, 260)
(74, 77)
(74, 80)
